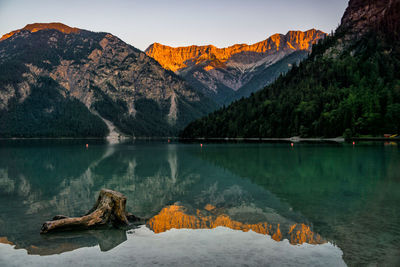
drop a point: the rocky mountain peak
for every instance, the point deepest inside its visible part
(34, 27)
(365, 15)
(177, 58)
(229, 73)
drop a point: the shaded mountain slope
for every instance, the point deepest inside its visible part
(109, 82)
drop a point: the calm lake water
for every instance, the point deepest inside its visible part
(245, 204)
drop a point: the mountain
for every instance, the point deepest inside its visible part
(350, 85)
(58, 81)
(226, 74)
(380, 16)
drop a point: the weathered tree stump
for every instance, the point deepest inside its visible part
(109, 208)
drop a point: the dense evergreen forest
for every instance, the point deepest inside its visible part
(341, 89)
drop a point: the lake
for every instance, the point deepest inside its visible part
(220, 204)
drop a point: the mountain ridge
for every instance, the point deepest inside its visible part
(220, 73)
(34, 27)
(302, 40)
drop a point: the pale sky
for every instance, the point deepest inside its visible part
(178, 22)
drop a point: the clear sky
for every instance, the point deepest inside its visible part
(178, 22)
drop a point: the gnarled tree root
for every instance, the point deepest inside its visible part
(109, 208)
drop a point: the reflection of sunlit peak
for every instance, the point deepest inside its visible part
(209, 207)
(4, 240)
(301, 233)
(178, 216)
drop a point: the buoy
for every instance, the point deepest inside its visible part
(292, 144)
(169, 141)
(354, 143)
(201, 145)
(87, 145)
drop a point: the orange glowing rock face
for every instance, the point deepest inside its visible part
(35, 27)
(176, 216)
(177, 58)
(4, 240)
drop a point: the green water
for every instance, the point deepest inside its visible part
(349, 195)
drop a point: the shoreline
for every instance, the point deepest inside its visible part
(291, 139)
(227, 139)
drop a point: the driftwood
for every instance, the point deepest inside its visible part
(109, 208)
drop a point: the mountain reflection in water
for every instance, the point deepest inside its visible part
(178, 216)
(310, 194)
(41, 181)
